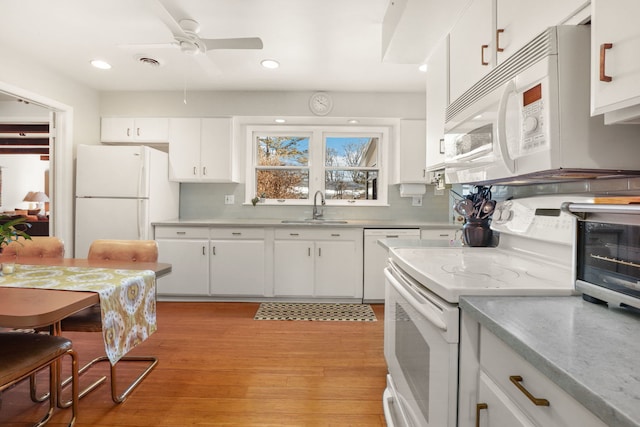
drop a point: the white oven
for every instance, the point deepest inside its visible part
(421, 349)
(423, 286)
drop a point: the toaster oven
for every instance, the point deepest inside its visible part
(608, 253)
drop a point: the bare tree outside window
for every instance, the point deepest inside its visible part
(282, 171)
(349, 170)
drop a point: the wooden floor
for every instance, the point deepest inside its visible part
(219, 367)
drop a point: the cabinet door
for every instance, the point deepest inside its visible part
(237, 267)
(519, 21)
(615, 22)
(293, 268)
(497, 409)
(189, 259)
(151, 129)
(215, 150)
(472, 51)
(437, 101)
(184, 149)
(412, 151)
(116, 129)
(336, 266)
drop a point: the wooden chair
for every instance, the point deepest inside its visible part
(37, 247)
(24, 354)
(90, 320)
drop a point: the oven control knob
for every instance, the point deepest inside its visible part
(530, 124)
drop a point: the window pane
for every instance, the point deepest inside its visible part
(351, 184)
(351, 151)
(283, 151)
(283, 183)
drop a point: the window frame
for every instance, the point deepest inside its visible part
(316, 166)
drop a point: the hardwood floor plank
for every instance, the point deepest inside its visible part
(219, 367)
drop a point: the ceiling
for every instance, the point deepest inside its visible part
(329, 45)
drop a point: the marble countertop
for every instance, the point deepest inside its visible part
(267, 222)
(588, 350)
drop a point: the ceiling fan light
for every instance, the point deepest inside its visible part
(270, 63)
(99, 63)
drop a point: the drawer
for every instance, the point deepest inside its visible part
(500, 363)
(442, 234)
(237, 233)
(178, 232)
(317, 234)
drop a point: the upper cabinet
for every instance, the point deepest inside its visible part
(134, 130)
(411, 150)
(437, 101)
(615, 63)
(490, 31)
(200, 150)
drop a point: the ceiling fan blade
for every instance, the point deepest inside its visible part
(161, 10)
(207, 65)
(238, 43)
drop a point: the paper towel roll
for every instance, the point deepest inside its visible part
(411, 190)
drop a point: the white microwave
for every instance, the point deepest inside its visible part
(529, 120)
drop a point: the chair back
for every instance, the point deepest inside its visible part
(37, 247)
(124, 250)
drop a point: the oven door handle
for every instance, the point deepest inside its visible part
(419, 302)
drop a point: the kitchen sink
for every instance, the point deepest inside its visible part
(314, 221)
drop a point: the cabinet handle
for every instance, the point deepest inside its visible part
(603, 55)
(319, 251)
(137, 131)
(213, 249)
(392, 236)
(195, 170)
(294, 234)
(479, 407)
(203, 251)
(441, 148)
(204, 170)
(128, 131)
(482, 60)
(335, 234)
(181, 233)
(236, 233)
(516, 380)
(424, 173)
(308, 251)
(498, 32)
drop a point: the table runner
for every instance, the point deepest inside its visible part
(127, 298)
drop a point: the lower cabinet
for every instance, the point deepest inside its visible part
(237, 262)
(500, 388)
(318, 263)
(187, 250)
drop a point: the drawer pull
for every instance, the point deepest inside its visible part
(335, 234)
(181, 233)
(498, 32)
(603, 55)
(479, 407)
(392, 236)
(236, 233)
(516, 380)
(294, 234)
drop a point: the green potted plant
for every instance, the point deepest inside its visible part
(10, 233)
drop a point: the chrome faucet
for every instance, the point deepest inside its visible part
(317, 212)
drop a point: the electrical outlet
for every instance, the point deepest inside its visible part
(229, 199)
(416, 201)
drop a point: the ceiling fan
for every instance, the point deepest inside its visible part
(186, 36)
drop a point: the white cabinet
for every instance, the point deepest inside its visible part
(512, 392)
(134, 130)
(187, 250)
(237, 262)
(200, 149)
(323, 263)
(615, 63)
(471, 47)
(519, 21)
(445, 234)
(411, 152)
(437, 101)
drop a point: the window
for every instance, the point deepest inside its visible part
(290, 164)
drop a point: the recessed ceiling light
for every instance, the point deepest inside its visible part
(280, 120)
(423, 68)
(353, 121)
(99, 63)
(270, 63)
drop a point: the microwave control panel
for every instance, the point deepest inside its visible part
(533, 122)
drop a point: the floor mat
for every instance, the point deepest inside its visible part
(315, 311)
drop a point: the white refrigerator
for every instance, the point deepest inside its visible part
(120, 191)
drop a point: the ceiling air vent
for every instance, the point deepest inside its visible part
(151, 62)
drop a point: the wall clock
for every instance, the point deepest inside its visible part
(320, 103)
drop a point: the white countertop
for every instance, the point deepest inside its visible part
(266, 222)
(588, 350)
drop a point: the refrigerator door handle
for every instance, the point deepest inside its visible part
(140, 218)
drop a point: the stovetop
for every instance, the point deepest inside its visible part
(534, 256)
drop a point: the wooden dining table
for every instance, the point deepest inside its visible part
(33, 308)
